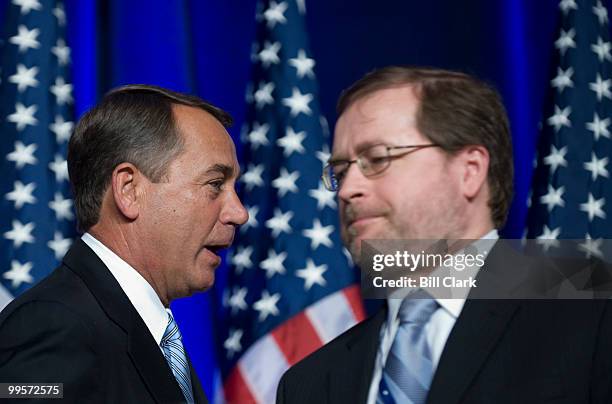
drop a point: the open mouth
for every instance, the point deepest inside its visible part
(216, 249)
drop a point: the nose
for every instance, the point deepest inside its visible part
(234, 212)
(353, 184)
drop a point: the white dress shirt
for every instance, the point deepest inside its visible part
(138, 290)
(437, 329)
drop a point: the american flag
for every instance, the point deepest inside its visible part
(572, 188)
(36, 218)
(291, 288)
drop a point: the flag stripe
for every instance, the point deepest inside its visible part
(331, 316)
(236, 389)
(262, 367)
(297, 338)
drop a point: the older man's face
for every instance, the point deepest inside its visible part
(194, 210)
(417, 197)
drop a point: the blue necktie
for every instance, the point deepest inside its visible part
(175, 356)
(409, 369)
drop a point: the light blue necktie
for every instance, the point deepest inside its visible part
(175, 356)
(409, 369)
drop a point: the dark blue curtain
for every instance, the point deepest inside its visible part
(203, 47)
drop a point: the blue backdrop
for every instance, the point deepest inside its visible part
(204, 47)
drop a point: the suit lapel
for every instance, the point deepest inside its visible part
(198, 393)
(479, 326)
(351, 384)
(476, 332)
(141, 347)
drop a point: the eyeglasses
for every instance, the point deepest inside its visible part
(371, 161)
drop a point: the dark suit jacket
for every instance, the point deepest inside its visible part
(78, 327)
(499, 351)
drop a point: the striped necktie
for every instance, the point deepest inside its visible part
(409, 369)
(177, 359)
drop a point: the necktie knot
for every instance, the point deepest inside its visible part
(172, 332)
(417, 308)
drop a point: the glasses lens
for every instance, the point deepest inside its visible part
(329, 179)
(333, 174)
(374, 160)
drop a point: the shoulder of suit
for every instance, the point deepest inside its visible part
(61, 288)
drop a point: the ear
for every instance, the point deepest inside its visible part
(475, 163)
(125, 185)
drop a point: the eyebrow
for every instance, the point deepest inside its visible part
(225, 170)
(361, 147)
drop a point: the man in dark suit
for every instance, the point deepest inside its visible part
(153, 175)
(433, 160)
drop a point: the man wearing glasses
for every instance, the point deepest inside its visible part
(426, 154)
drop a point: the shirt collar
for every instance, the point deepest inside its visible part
(140, 293)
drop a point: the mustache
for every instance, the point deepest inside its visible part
(352, 212)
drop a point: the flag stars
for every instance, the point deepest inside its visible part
(62, 129)
(601, 87)
(301, 5)
(237, 300)
(62, 91)
(60, 14)
(21, 194)
(292, 142)
(59, 245)
(566, 40)
(556, 158)
(20, 233)
(22, 154)
(602, 50)
(601, 12)
(591, 247)
(25, 38)
(62, 207)
(323, 196)
(273, 264)
(252, 220)
(263, 95)
(599, 127)
(27, 5)
(563, 79)
(594, 207)
(303, 64)
(549, 237)
(266, 306)
(279, 223)
(258, 136)
(597, 167)
(24, 77)
(298, 102)
(560, 118)
(269, 54)
(312, 274)
(242, 258)
(232, 344)
(252, 177)
(286, 182)
(275, 14)
(323, 155)
(319, 234)
(23, 116)
(567, 5)
(60, 167)
(553, 198)
(62, 52)
(19, 273)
